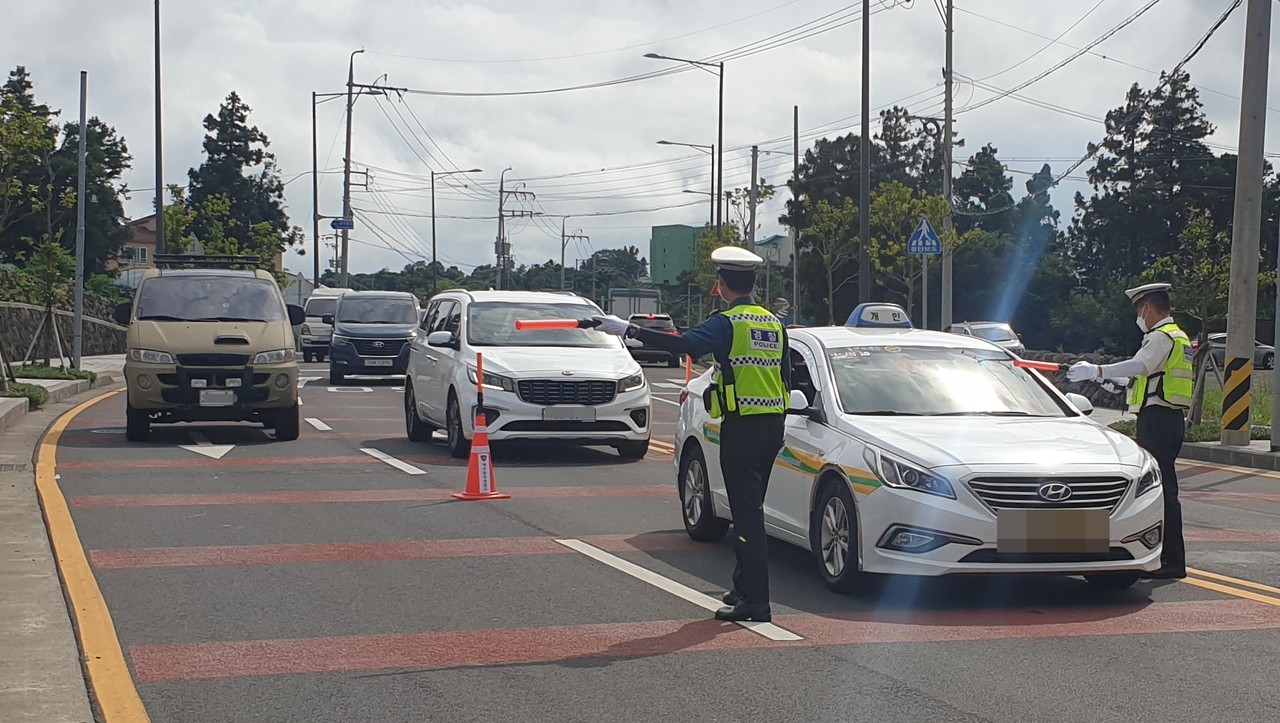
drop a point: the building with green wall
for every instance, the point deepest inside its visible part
(671, 252)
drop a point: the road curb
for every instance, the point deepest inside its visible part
(1233, 456)
(11, 410)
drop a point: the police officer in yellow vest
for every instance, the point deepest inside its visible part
(1160, 392)
(749, 345)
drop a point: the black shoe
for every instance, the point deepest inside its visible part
(731, 598)
(743, 612)
(1166, 572)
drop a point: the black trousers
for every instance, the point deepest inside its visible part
(748, 447)
(1161, 431)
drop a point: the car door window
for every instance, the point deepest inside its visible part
(446, 310)
(429, 317)
(805, 373)
(453, 322)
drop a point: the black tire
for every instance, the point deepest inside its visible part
(308, 357)
(321, 356)
(336, 377)
(459, 445)
(700, 521)
(414, 428)
(633, 450)
(833, 536)
(1113, 581)
(673, 362)
(287, 423)
(1268, 361)
(137, 427)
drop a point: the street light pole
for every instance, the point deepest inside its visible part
(864, 154)
(346, 168)
(712, 148)
(159, 147)
(435, 274)
(315, 199)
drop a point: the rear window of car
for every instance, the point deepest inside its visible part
(660, 324)
(320, 307)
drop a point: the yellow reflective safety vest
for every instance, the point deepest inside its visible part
(752, 383)
(1174, 383)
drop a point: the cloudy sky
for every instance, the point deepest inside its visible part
(591, 154)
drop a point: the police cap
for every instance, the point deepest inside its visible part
(1137, 293)
(734, 258)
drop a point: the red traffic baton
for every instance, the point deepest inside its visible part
(1038, 365)
(531, 324)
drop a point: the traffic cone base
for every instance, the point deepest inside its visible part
(481, 483)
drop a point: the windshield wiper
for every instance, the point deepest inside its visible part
(226, 318)
(886, 413)
(1000, 413)
(163, 317)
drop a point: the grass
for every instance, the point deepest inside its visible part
(40, 371)
(1210, 427)
(37, 396)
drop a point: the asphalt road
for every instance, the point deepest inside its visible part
(313, 581)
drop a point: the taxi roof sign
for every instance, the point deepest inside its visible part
(879, 316)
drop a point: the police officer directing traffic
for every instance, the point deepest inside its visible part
(753, 374)
(1160, 391)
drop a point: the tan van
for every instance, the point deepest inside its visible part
(208, 343)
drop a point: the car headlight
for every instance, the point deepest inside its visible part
(493, 381)
(306, 328)
(903, 475)
(631, 383)
(339, 340)
(279, 356)
(149, 356)
(1149, 479)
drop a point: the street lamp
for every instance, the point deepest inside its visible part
(435, 281)
(719, 66)
(712, 149)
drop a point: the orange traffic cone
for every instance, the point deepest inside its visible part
(481, 484)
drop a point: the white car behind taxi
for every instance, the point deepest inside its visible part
(922, 453)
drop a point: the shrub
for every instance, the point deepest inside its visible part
(37, 396)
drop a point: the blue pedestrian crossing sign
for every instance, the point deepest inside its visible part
(925, 240)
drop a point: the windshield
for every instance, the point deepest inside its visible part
(320, 307)
(377, 310)
(658, 324)
(930, 381)
(209, 298)
(994, 333)
(494, 324)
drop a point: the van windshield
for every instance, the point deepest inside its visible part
(209, 298)
(493, 323)
(320, 307)
(377, 310)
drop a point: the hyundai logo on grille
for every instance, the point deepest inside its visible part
(1054, 492)
(567, 373)
(378, 344)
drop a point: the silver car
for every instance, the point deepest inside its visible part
(996, 332)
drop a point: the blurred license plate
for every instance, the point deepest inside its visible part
(1067, 531)
(217, 398)
(569, 413)
(377, 362)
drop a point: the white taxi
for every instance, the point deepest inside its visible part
(922, 453)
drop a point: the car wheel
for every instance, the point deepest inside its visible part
(308, 357)
(673, 362)
(287, 423)
(320, 357)
(1113, 580)
(459, 446)
(633, 450)
(835, 536)
(414, 428)
(137, 427)
(336, 377)
(1268, 361)
(695, 499)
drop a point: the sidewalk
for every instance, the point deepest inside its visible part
(109, 368)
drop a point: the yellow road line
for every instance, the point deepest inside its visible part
(1232, 591)
(1234, 580)
(109, 675)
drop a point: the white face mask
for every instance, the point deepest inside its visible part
(1142, 324)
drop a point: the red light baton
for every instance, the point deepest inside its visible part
(1038, 365)
(531, 324)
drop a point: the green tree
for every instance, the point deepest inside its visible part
(739, 200)
(896, 210)
(213, 227)
(239, 168)
(832, 242)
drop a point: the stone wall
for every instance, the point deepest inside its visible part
(1096, 394)
(18, 324)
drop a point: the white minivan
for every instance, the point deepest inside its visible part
(577, 386)
(316, 334)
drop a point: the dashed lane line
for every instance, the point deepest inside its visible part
(319, 424)
(388, 459)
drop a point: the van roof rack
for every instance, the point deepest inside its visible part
(205, 260)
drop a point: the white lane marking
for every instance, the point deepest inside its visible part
(319, 425)
(388, 459)
(672, 385)
(684, 592)
(351, 390)
(302, 381)
(667, 401)
(204, 446)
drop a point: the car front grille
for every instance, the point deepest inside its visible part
(378, 347)
(989, 556)
(555, 391)
(213, 360)
(1022, 493)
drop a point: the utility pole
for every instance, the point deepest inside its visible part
(315, 199)
(795, 198)
(947, 226)
(435, 278)
(1243, 296)
(159, 147)
(751, 230)
(346, 168)
(565, 238)
(77, 330)
(502, 249)
(864, 154)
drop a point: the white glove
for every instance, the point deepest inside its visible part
(611, 325)
(1082, 371)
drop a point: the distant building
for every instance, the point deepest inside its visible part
(777, 249)
(671, 251)
(139, 249)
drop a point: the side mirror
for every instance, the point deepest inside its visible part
(327, 319)
(442, 339)
(797, 402)
(1081, 403)
(297, 316)
(122, 312)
